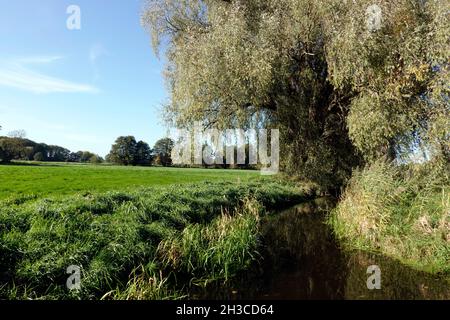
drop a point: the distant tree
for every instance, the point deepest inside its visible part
(108, 158)
(12, 148)
(143, 154)
(42, 148)
(162, 152)
(86, 156)
(126, 151)
(29, 153)
(95, 159)
(123, 151)
(2, 155)
(57, 154)
(39, 157)
(1, 150)
(15, 146)
(75, 156)
(157, 160)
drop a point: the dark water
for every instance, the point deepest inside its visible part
(302, 261)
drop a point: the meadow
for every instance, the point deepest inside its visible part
(59, 179)
(135, 233)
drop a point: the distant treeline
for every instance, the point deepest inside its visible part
(17, 148)
(128, 151)
(125, 151)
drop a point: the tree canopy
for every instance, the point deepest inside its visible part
(162, 151)
(342, 92)
(127, 151)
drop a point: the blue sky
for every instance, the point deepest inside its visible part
(80, 89)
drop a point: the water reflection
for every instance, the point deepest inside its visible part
(302, 260)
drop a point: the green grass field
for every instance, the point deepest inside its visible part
(64, 179)
(130, 229)
(150, 243)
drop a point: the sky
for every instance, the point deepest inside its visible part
(79, 88)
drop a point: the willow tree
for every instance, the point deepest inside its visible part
(346, 81)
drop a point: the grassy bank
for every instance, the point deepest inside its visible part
(151, 243)
(402, 212)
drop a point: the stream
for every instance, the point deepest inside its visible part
(301, 260)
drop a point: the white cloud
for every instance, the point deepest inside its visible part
(38, 60)
(17, 75)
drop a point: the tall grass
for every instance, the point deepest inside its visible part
(220, 249)
(145, 284)
(110, 235)
(401, 211)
